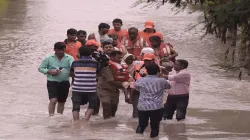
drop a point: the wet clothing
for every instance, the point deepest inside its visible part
(120, 33)
(178, 95)
(79, 97)
(108, 92)
(134, 99)
(176, 103)
(84, 75)
(180, 82)
(59, 90)
(72, 49)
(51, 62)
(155, 117)
(151, 90)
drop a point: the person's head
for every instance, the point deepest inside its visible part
(128, 59)
(107, 45)
(117, 23)
(152, 69)
(71, 34)
(149, 26)
(148, 58)
(59, 48)
(92, 44)
(116, 56)
(133, 33)
(147, 50)
(155, 41)
(84, 51)
(81, 35)
(103, 28)
(115, 38)
(180, 64)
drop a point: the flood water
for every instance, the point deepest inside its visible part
(219, 104)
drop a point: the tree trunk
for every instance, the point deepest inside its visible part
(243, 46)
(247, 59)
(234, 40)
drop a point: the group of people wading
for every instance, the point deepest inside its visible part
(138, 63)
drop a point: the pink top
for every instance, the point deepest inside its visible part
(180, 83)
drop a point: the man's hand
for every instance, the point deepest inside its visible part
(54, 72)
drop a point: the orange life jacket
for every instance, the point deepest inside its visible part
(139, 68)
(136, 47)
(120, 72)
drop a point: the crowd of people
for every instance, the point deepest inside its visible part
(141, 64)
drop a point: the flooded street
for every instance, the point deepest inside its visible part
(219, 103)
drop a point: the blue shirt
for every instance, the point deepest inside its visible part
(84, 74)
(151, 90)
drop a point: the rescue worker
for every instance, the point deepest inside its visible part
(117, 24)
(81, 37)
(150, 31)
(108, 88)
(72, 45)
(133, 43)
(164, 53)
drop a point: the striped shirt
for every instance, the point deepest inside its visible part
(84, 75)
(151, 90)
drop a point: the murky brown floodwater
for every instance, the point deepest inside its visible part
(219, 105)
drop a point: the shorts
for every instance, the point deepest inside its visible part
(79, 97)
(59, 90)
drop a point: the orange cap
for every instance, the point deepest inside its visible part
(92, 42)
(148, 56)
(149, 24)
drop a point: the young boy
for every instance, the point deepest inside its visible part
(178, 95)
(150, 106)
(84, 85)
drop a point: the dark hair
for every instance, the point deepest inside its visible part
(81, 32)
(115, 52)
(84, 51)
(106, 43)
(59, 46)
(113, 36)
(132, 28)
(155, 38)
(184, 63)
(117, 20)
(152, 69)
(103, 25)
(71, 31)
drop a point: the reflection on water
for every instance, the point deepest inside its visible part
(28, 30)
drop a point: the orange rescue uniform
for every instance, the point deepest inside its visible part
(120, 33)
(72, 49)
(134, 47)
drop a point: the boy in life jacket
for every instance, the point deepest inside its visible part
(164, 53)
(116, 43)
(129, 63)
(72, 45)
(133, 43)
